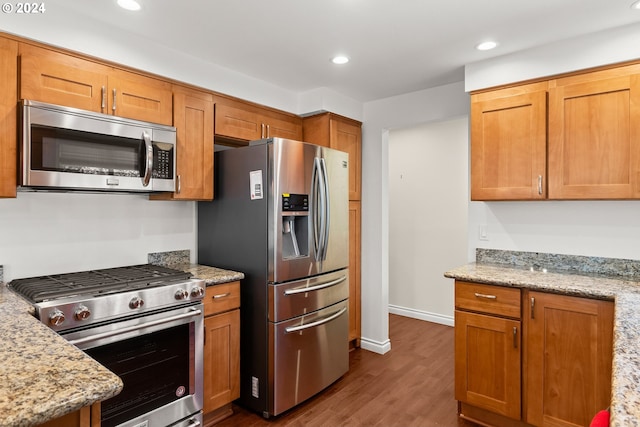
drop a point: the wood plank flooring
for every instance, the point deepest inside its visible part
(411, 385)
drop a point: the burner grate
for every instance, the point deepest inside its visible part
(97, 282)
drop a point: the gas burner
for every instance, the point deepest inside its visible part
(71, 300)
(95, 282)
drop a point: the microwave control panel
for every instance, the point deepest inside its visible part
(162, 163)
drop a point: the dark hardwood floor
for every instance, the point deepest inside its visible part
(411, 385)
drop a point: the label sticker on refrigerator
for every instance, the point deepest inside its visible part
(255, 181)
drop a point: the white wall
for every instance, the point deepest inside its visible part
(48, 233)
(432, 105)
(428, 210)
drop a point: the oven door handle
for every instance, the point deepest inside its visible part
(134, 328)
(335, 315)
(304, 290)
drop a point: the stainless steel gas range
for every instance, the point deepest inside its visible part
(144, 323)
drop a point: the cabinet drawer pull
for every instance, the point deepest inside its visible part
(221, 295)
(515, 337)
(485, 296)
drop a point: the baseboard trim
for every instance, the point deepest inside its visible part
(421, 315)
(375, 346)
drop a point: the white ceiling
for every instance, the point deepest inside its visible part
(395, 46)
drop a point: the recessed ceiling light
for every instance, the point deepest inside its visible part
(129, 4)
(340, 60)
(486, 45)
(636, 5)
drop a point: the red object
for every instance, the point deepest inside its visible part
(601, 419)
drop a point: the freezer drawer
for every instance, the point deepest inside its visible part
(291, 299)
(309, 353)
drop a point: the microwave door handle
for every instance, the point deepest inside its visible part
(148, 149)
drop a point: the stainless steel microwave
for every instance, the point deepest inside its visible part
(70, 149)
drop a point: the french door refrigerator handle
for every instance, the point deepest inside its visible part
(315, 201)
(315, 288)
(326, 217)
(335, 315)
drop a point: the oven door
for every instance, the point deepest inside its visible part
(159, 358)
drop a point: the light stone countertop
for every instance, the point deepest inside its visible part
(623, 289)
(42, 375)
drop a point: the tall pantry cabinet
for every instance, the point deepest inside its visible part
(8, 115)
(334, 131)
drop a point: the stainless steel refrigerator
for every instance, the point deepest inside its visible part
(280, 215)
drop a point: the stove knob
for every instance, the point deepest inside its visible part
(136, 302)
(197, 292)
(56, 318)
(82, 312)
(181, 294)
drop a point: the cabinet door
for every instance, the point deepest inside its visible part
(236, 120)
(57, 78)
(354, 272)
(346, 136)
(508, 147)
(138, 97)
(282, 126)
(89, 416)
(221, 359)
(193, 119)
(594, 139)
(487, 362)
(568, 359)
(8, 117)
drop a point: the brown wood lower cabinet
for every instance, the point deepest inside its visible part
(221, 350)
(557, 373)
(89, 416)
(568, 359)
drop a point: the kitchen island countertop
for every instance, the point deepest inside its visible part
(43, 376)
(624, 290)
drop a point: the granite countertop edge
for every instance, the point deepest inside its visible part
(624, 291)
(59, 378)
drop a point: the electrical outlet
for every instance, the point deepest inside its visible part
(483, 234)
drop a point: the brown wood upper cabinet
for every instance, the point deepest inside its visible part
(508, 144)
(193, 119)
(594, 137)
(8, 117)
(64, 79)
(341, 133)
(241, 121)
(571, 137)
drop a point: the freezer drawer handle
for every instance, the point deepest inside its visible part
(337, 314)
(315, 288)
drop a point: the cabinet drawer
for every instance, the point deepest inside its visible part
(489, 299)
(219, 298)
